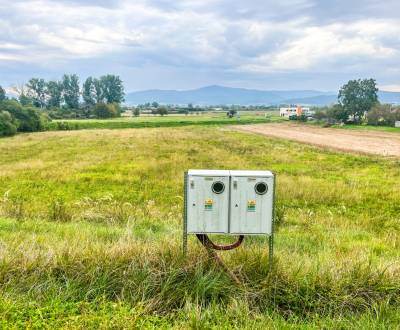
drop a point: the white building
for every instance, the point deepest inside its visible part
(296, 111)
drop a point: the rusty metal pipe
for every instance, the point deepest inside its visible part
(205, 240)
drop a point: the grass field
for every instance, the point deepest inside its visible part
(203, 119)
(356, 127)
(369, 127)
(90, 234)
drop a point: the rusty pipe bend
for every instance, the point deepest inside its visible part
(205, 240)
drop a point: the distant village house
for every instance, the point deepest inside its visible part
(296, 112)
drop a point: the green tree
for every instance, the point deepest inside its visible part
(357, 97)
(103, 110)
(54, 90)
(136, 112)
(8, 126)
(112, 88)
(28, 119)
(383, 115)
(337, 113)
(70, 84)
(89, 92)
(25, 100)
(2, 94)
(98, 90)
(22, 93)
(37, 92)
(320, 114)
(162, 111)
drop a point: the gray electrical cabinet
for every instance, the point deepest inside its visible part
(229, 202)
(251, 206)
(207, 201)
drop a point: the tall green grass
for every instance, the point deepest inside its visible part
(90, 234)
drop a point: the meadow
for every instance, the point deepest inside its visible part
(90, 234)
(370, 127)
(172, 120)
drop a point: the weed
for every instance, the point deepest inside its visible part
(13, 206)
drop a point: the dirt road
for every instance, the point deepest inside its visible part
(372, 142)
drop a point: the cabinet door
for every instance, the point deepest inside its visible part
(251, 205)
(207, 204)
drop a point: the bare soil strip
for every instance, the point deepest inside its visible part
(371, 142)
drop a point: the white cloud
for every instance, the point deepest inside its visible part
(11, 46)
(235, 38)
(323, 47)
(390, 88)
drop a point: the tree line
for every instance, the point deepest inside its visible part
(67, 93)
(358, 102)
(38, 101)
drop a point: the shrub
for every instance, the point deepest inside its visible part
(162, 111)
(63, 126)
(7, 125)
(136, 112)
(302, 118)
(337, 113)
(320, 115)
(27, 119)
(103, 110)
(383, 115)
(64, 113)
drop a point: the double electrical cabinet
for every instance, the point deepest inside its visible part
(229, 202)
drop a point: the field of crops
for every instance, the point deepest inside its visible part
(90, 234)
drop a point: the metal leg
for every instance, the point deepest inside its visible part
(271, 237)
(270, 252)
(184, 238)
(184, 244)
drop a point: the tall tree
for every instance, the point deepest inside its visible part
(22, 93)
(113, 88)
(99, 90)
(358, 97)
(2, 94)
(37, 91)
(54, 90)
(89, 92)
(70, 84)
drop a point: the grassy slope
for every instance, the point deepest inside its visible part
(91, 230)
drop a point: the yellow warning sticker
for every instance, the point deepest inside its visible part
(251, 205)
(208, 204)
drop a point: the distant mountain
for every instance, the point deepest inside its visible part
(217, 95)
(384, 97)
(314, 100)
(389, 97)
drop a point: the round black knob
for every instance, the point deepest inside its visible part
(218, 187)
(261, 188)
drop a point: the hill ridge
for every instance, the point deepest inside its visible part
(221, 95)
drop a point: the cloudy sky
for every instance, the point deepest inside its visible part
(172, 44)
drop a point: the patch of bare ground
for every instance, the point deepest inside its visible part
(370, 142)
